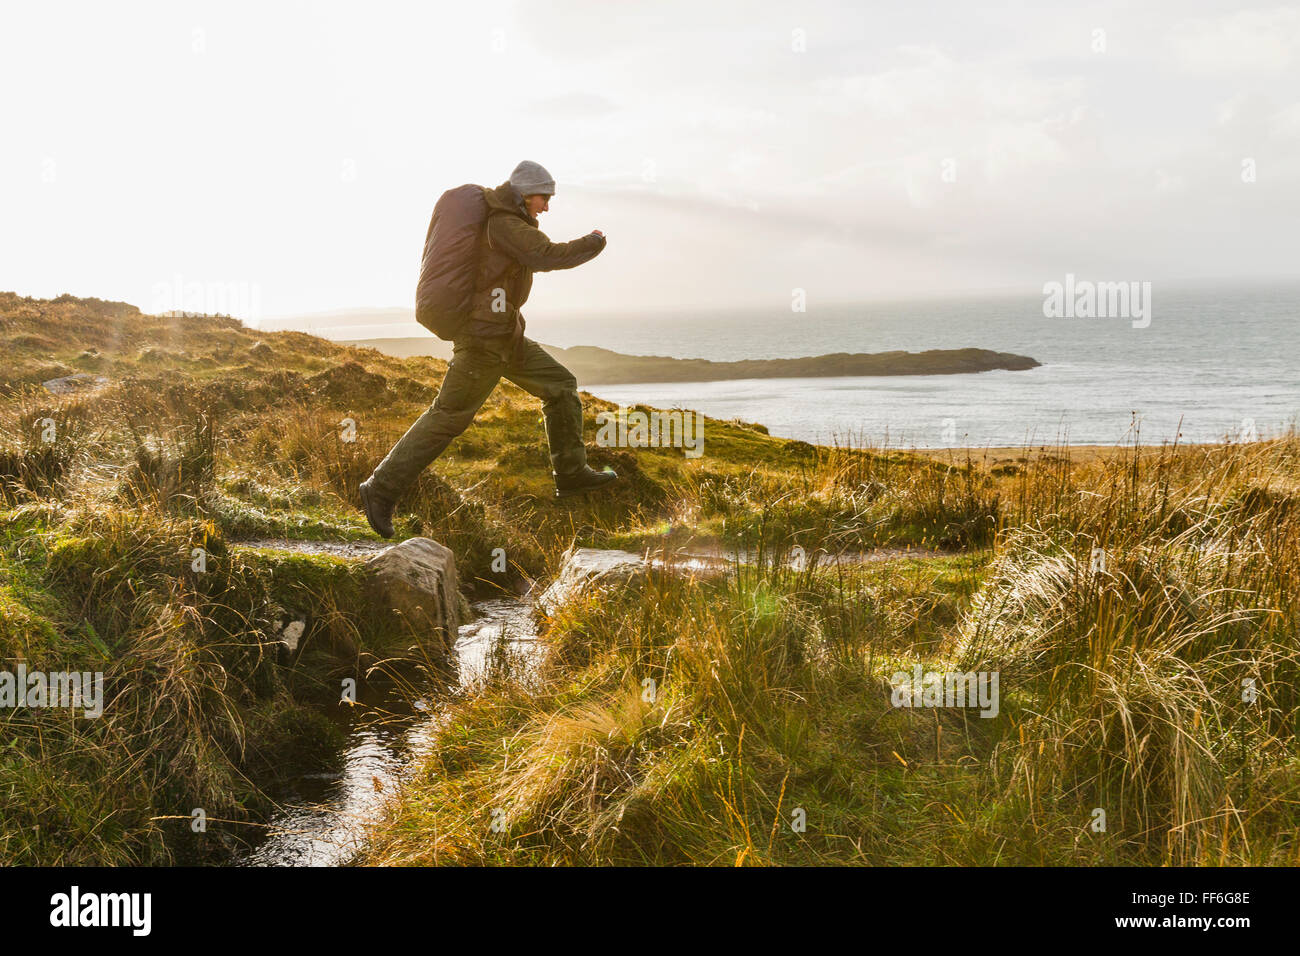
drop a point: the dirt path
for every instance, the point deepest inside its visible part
(724, 557)
(341, 549)
(715, 556)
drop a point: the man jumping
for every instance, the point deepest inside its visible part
(493, 347)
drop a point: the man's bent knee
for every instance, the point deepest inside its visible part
(448, 424)
(562, 386)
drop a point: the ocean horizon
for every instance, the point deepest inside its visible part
(1212, 364)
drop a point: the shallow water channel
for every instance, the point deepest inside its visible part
(323, 818)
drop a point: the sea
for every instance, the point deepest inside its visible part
(1209, 363)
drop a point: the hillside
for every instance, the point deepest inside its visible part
(773, 732)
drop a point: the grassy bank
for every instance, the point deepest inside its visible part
(1129, 602)
(1153, 680)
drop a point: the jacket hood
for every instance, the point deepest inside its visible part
(505, 198)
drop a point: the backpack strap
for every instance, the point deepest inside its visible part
(487, 244)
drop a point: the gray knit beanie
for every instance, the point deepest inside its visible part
(531, 178)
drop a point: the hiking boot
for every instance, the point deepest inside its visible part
(580, 482)
(378, 509)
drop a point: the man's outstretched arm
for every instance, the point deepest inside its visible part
(534, 251)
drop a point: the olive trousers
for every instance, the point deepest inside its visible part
(477, 365)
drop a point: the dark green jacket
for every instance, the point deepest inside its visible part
(513, 249)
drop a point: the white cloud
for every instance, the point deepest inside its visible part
(1246, 41)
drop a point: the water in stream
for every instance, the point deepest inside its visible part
(323, 821)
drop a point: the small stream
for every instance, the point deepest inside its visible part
(323, 819)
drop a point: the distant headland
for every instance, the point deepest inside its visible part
(598, 366)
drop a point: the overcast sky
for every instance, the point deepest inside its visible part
(731, 151)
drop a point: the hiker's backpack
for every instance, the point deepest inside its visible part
(450, 262)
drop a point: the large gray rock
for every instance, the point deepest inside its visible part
(416, 580)
(82, 381)
(585, 569)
